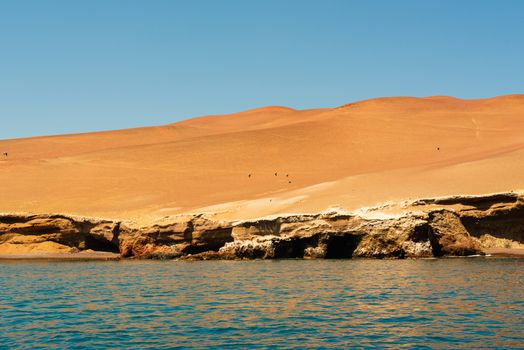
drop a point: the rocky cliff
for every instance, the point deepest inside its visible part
(451, 226)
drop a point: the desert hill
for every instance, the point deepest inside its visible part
(360, 154)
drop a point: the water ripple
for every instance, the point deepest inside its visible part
(448, 303)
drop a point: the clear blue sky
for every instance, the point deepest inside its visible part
(75, 66)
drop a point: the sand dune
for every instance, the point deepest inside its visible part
(359, 154)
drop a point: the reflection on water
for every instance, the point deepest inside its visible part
(454, 303)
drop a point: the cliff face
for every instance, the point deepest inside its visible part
(56, 233)
(453, 226)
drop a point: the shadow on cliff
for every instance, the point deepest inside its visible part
(446, 231)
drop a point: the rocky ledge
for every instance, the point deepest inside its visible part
(451, 226)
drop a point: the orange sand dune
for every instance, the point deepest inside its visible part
(359, 154)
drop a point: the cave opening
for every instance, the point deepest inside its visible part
(342, 247)
(101, 245)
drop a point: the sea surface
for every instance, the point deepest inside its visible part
(467, 303)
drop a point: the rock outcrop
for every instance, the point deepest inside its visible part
(175, 239)
(67, 233)
(453, 226)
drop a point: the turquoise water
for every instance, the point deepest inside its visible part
(447, 303)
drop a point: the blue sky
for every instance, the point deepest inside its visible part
(76, 66)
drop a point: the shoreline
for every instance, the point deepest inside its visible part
(105, 256)
(506, 252)
(79, 256)
(491, 224)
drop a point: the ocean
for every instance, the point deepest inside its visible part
(466, 303)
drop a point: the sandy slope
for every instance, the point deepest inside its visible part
(355, 155)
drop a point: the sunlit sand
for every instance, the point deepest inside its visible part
(273, 160)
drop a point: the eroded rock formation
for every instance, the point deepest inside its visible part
(69, 234)
(454, 226)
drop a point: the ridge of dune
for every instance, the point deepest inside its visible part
(266, 109)
(355, 155)
(441, 100)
